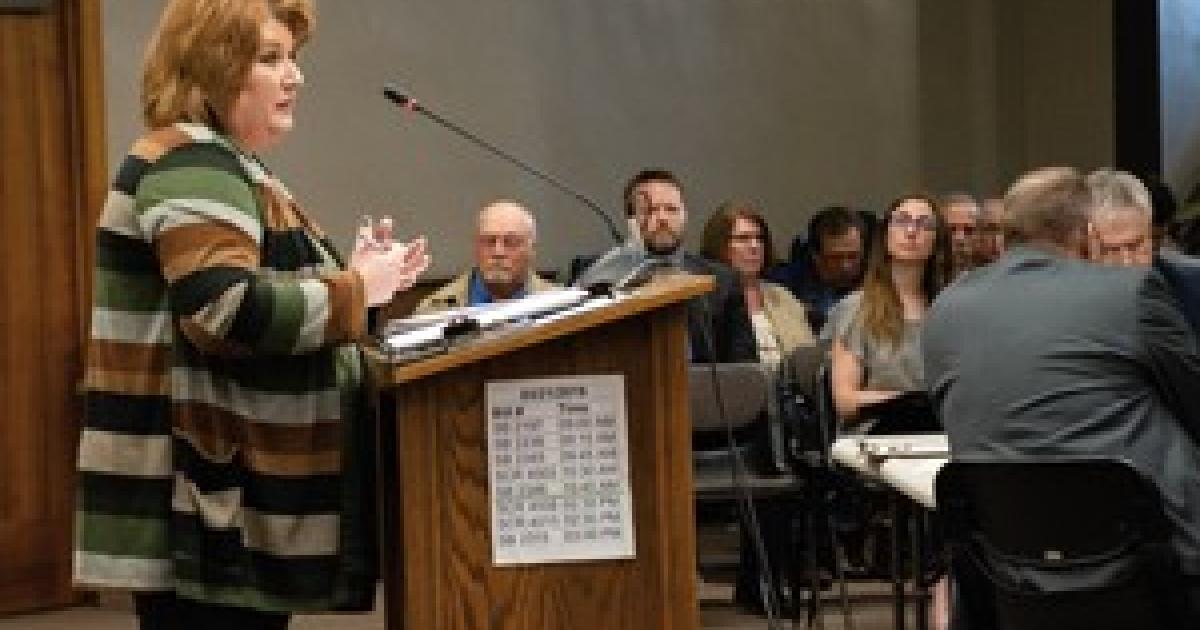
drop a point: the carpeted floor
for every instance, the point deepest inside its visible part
(715, 613)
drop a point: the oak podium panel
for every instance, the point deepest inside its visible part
(438, 567)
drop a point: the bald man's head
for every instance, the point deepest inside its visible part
(504, 240)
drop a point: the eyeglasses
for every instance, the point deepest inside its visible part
(965, 230)
(661, 208)
(509, 241)
(746, 238)
(1132, 247)
(902, 221)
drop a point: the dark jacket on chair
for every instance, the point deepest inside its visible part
(1037, 355)
(732, 334)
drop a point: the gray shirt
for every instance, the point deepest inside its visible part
(1036, 355)
(886, 367)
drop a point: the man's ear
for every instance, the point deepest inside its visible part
(1090, 240)
(1083, 241)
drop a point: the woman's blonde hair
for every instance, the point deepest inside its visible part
(201, 51)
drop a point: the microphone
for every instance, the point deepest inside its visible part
(407, 102)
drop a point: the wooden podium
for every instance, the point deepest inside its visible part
(437, 547)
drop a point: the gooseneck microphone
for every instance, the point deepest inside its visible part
(405, 101)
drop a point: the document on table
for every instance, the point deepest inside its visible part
(558, 469)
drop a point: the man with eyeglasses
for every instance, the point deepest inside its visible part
(1120, 228)
(504, 252)
(961, 214)
(1121, 232)
(1042, 355)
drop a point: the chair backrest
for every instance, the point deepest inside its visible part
(1058, 544)
(799, 367)
(825, 430)
(724, 395)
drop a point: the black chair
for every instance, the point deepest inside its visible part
(810, 425)
(850, 503)
(1058, 544)
(737, 400)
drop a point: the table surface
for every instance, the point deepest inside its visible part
(908, 463)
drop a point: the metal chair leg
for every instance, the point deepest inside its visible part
(898, 607)
(839, 564)
(815, 615)
(920, 591)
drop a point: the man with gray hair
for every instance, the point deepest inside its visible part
(1079, 359)
(1122, 215)
(504, 252)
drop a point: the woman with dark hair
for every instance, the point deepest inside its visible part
(737, 235)
(874, 333)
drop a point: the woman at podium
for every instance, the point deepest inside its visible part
(222, 471)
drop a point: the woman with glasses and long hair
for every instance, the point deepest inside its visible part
(874, 333)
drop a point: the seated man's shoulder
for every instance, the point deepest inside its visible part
(453, 294)
(800, 278)
(578, 265)
(701, 265)
(537, 284)
(1110, 278)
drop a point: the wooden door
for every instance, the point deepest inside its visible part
(52, 176)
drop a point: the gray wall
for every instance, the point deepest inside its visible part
(1056, 85)
(1009, 85)
(788, 103)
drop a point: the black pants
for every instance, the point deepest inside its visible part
(1191, 588)
(165, 611)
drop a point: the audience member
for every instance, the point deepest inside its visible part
(989, 242)
(829, 267)
(960, 213)
(737, 235)
(505, 236)
(874, 332)
(1120, 219)
(654, 199)
(1044, 355)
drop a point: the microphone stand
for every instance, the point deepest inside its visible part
(394, 95)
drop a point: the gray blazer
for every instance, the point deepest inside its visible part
(1038, 355)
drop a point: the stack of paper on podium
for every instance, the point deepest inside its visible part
(422, 336)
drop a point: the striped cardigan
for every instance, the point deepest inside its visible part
(221, 454)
